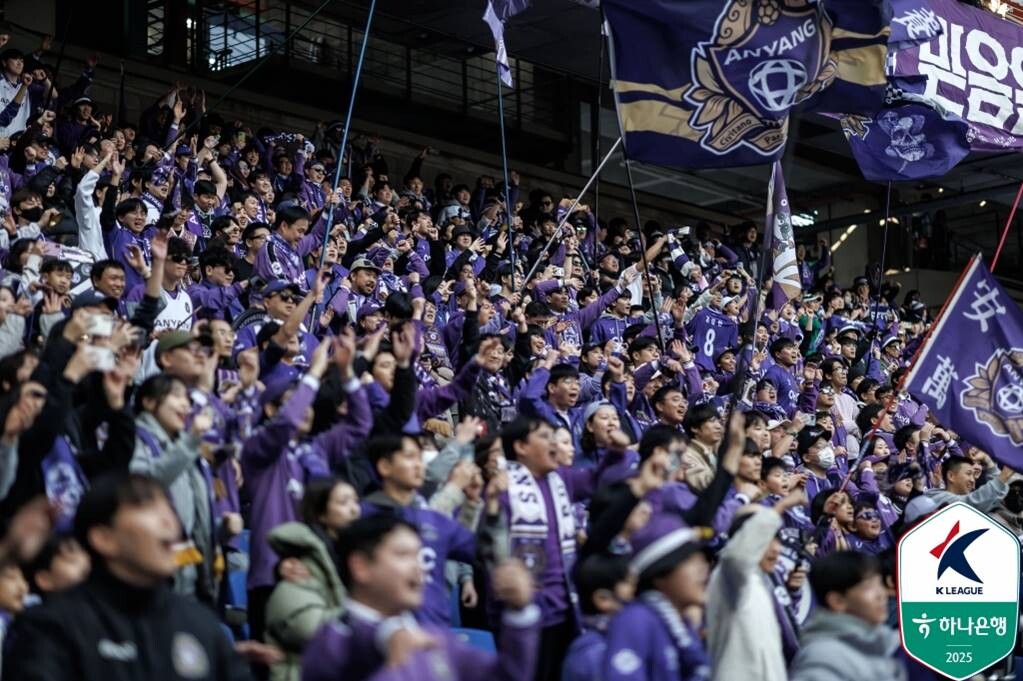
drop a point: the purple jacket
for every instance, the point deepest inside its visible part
(585, 658)
(348, 649)
(120, 239)
(533, 402)
(555, 589)
(641, 647)
(443, 540)
(277, 468)
(216, 302)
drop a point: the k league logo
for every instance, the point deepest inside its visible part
(958, 576)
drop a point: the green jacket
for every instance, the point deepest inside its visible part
(295, 611)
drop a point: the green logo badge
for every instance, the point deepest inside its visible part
(958, 574)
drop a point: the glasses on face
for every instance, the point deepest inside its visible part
(868, 515)
(827, 391)
(198, 349)
(259, 236)
(290, 298)
(178, 259)
(546, 202)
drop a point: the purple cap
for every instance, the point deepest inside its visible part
(367, 309)
(663, 543)
(275, 389)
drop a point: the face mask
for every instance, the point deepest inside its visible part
(429, 455)
(826, 457)
(32, 214)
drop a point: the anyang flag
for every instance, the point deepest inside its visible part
(970, 370)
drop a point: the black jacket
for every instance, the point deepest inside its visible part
(106, 629)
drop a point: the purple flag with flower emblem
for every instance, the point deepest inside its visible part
(970, 370)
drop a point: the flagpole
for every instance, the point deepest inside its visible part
(876, 422)
(596, 152)
(632, 190)
(880, 276)
(341, 148)
(504, 165)
(575, 202)
(743, 363)
(1005, 231)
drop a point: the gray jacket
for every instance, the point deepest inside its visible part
(985, 498)
(177, 467)
(840, 647)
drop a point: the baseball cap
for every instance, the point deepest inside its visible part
(460, 231)
(172, 340)
(277, 285)
(368, 309)
(84, 99)
(809, 436)
(777, 423)
(364, 264)
(183, 150)
(93, 299)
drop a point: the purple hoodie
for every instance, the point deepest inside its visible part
(277, 468)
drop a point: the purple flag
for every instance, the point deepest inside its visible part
(972, 68)
(786, 283)
(970, 370)
(497, 12)
(708, 83)
(909, 141)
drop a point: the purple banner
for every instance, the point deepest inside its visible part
(970, 372)
(973, 69)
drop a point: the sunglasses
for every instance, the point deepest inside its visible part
(290, 298)
(827, 391)
(179, 259)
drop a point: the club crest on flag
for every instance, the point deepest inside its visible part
(995, 394)
(762, 59)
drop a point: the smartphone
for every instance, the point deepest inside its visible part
(102, 358)
(559, 272)
(100, 325)
(685, 230)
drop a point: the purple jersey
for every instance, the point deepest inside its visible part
(712, 332)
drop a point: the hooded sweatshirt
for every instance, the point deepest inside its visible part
(840, 647)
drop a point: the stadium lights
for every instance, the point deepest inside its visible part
(983, 203)
(845, 235)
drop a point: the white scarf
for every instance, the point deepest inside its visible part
(529, 525)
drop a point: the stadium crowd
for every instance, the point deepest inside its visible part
(254, 426)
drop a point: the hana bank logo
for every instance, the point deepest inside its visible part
(951, 553)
